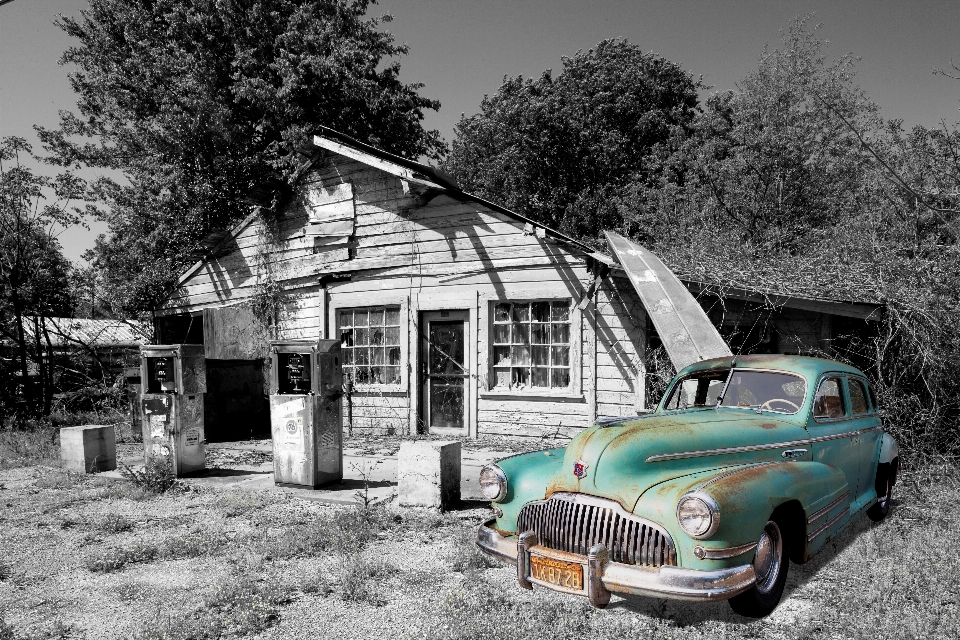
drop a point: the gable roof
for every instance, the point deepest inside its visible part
(428, 177)
(94, 334)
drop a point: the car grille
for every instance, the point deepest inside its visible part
(575, 522)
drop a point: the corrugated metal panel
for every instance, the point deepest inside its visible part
(683, 326)
(66, 332)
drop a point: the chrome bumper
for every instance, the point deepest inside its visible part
(602, 577)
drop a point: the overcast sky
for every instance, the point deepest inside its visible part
(461, 49)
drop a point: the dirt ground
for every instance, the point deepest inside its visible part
(88, 557)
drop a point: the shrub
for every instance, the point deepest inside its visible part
(114, 559)
(156, 477)
(28, 447)
(359, 578)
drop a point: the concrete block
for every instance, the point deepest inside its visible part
(429, 474)
(89, 448)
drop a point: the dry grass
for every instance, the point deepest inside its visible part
(210, 564)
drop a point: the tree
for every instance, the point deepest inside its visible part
(558, 149)
(207, 107)
(34, 275)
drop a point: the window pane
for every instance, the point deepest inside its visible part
(347, 356)
(349, 374)
(362, 376)
(346, 318)
(376, 317)
(541, 356)
(361, 336)
(393, 316)
(501, 334)
(362, 356)
(376, 335)
(376, 355)
(346, 338)
(501, 313)
(560, 311)
(392, 335)
(828, 402)
(520, 355)
(560, 378)
(501, 356)
(561, 356)
(541, 377)
(561, 333)
(391, 375)
(521, 377)
(521, 333)
(521, 312)
(360, 318)
(858, 397)
(376, 375)
(540, 311)
(393, 355)
(502, 380)
(540, 333)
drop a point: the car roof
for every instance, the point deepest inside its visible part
(807, 366)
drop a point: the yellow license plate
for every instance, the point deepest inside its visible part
(568, 575)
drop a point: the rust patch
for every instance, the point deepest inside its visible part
(768, 425)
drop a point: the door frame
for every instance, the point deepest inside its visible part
(469, 354)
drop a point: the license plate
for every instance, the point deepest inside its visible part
(568, 575)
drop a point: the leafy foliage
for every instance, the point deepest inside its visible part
(34, 275)
(556, 149)
(207, 108)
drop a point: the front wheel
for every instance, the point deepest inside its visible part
(770, 564)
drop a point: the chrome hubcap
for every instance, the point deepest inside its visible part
(766, 564)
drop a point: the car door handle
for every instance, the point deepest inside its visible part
(793, 453)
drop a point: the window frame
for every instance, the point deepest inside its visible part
(841, 380)
(487, 369)
(353, 302)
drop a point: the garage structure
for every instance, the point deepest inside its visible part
(456, 316)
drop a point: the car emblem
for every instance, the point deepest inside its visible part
(580, 469)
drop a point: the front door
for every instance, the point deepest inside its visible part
(445, 368)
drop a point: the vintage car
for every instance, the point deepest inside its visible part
(747, 463)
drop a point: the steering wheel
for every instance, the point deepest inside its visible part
(765, 406)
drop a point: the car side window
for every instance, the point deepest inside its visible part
(858, 397)
(828, 403)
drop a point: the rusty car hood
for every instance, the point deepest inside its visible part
(614, 458)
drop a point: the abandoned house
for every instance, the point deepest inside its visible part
(456, 316)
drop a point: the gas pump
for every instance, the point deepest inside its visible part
(305, 389)
(173, 379)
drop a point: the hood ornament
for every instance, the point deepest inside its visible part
(580, 469)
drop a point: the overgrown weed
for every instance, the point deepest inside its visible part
(360, 578)
(155, 477)
(465, 556)
(29, 447)
(196, 543)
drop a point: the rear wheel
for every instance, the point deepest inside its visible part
(770, 564)
(885, 479)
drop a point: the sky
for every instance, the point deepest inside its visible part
(462, 49)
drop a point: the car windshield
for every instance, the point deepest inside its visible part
(758, 390)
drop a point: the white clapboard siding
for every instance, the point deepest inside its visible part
(386, 241)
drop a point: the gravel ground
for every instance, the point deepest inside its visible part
(85, 557)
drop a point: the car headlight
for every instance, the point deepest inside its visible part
(698, 515)
(493, 482)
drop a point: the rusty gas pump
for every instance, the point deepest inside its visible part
(306, 421)
(173, 381)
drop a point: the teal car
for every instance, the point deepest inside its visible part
(747, 463)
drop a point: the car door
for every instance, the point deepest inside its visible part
(867, 441)
(832, 430)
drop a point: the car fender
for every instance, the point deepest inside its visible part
(527, 477)
(746, 495)
(889, 451)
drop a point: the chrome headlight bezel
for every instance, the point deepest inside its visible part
(501, 479)
(712, 508)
